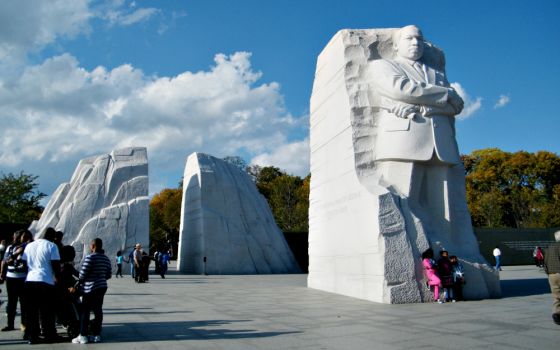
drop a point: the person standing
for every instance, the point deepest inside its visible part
(458, 277)
(552, 269)
(15, 280)
(430, 272)
(2, 249)
(43, 262)
(119, 262)
(539, 257)
(95, 271)
(163, 263)
(131, 262)
(497, 256)
(445, 273)
(137, 258)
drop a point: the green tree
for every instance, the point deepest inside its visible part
(284, 198)
(263, 177)
(165, 216)
(19, 198)
(287, 196)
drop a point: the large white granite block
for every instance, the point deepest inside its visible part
(107, 197)
(227, 222)
(376, 202)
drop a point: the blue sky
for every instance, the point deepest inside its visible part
(224, 77)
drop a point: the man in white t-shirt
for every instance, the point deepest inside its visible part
(43, 262)
(497, 255)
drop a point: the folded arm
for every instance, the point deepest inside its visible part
(392, 82)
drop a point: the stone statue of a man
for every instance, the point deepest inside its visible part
(415, 147)
(387, 181)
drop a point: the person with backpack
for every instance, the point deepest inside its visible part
(15, 280)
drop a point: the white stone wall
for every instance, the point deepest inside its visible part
(225, 219)
(107, 197)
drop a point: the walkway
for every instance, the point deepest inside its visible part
(279, 312)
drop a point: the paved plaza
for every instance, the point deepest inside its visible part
(279, 312)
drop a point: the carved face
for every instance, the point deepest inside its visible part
(410, 44)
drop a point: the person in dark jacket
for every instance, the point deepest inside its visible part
(95, 271)
(552, 269)
(445, 272)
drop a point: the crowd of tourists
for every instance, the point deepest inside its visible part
(40, 275)
(445, 276)
(140, 262)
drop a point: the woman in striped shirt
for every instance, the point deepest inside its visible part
(95, 271)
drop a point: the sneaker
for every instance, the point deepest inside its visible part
(453, 300)
(8, 328)
(440, 301)
(95, 339)
(80, 340)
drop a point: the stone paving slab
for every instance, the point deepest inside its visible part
(280, 312)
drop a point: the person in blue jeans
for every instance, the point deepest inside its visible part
(131, 262)
(497, 255)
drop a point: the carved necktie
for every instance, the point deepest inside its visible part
(421, 69)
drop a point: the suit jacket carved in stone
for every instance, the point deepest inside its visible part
(431, 128)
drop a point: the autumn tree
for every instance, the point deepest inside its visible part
(19, 198)
(518, 189)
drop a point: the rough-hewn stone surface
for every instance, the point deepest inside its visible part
(365, 237)
(107, 197)
(227, 221)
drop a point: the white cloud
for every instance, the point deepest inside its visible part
(291, 157)
(470, 106)
(502, 101)
(126, 17)
(58, 112)
(31, 25)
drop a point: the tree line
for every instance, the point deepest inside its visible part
(504, 189)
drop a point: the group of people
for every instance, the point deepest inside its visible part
(446, 273)
(40, 275)
(140, 262)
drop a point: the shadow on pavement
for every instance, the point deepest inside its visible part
(180, 330)
(12, 342)
(129, 311)
(131, 294)
(524, 287)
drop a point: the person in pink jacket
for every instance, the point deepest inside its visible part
(430, 271)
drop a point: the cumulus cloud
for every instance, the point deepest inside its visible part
(502, 101)
(471, 106)
(31, 25)
(58, 112)
(292, 157)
